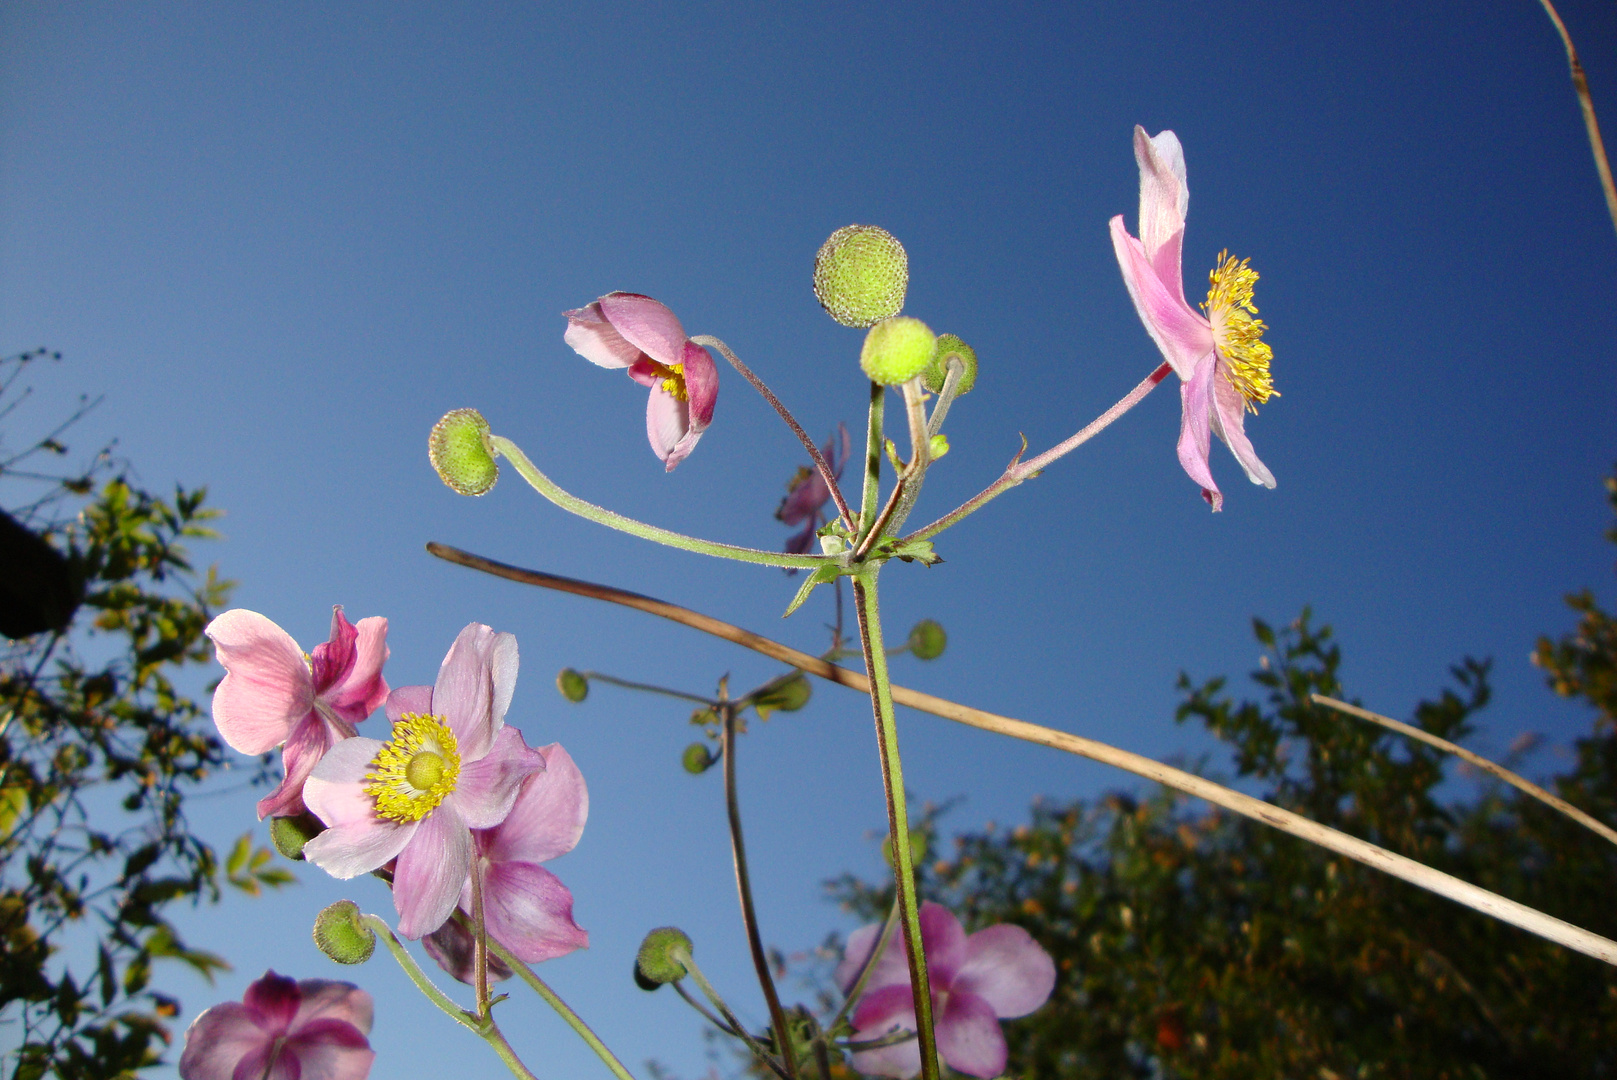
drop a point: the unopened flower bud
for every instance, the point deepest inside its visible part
(661, 957)
(289, 834)
(789, 696)
(938, 370)
(917, 848)
(860, 275)
(937, 445)
(927, 640)
(896, 350)
(459, 451)
(573, 686)
(341, 935)
(696, 759)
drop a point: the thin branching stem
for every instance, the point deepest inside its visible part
(1581, 85)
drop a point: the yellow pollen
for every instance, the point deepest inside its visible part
(673, 376)
(802, 474)
(415, 770)
(1238, 335)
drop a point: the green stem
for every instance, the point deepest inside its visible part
(601, 516)
(758, 1049)
(574, 1021)
(613, 680)
(873, 451)
(898, 821)
(888, 925)
(951, 384)
(920, 457)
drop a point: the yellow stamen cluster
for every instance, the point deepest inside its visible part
(673, 376)
(803, 473)
(416, 770)
(1238, 335)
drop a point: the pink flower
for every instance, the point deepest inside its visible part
(998, 972)
(807, 494)
(273, 694)
(627, 330)
(1219, 354)
(451, 766)
(525, 907)
(283, 1030)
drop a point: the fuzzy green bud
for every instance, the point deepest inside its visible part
(289, 834)
(341, 935)
(460, 453)
(896, 350)
(660, 956)
(696, 759)
(938, 370)
(927, 640)
(861, 274)
(789, 696)
(573, 686)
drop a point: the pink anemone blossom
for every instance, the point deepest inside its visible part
(627, 330)
(526, 908)
(283, 1030)
(808, 493)
(275, 695)
(452, 766)
(1218, 353)
(997, 973)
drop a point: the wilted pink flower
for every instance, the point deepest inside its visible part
(525, 907)
(283, 1030)
(998, 972)
(274, 694)
(627, 330)
(1219, 354)
(451, 766)
(808, 493)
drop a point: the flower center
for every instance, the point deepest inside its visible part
(673, 377)
(416, 770)
(1237, 334)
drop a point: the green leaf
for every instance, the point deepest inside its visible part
(912, 551)
(825, 573)
(238, 854)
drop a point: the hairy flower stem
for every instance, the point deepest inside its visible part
(749, 915)
(951, 384)
(871, 496)
(574, 1021)
(613, 680)
(898, 818)
(758, 1049)
(479, 939)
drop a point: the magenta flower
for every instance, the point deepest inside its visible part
(283, 1030)
(627, 330)
(808, 493)
(525, 907)
(1219, 353)
(452, 766)
(998, 972)
(273, 694)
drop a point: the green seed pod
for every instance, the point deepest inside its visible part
(339, 933)
(897, 349)
(696, 759)
(660, 955)
(789, 696)
(289, 834)
(573, 686)
(860, 275)
(459, 451)
(927, 640)
(938, 370)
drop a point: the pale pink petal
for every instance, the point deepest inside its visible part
(308, 743)
(330, 1050)
(266, 688)
(451, 945)
(409, 699)
(1195, 431)
(345, 765)
(359, 694)
(1164, 197)
(1007, 969)
(548, 816)
(593, 338)
(944, 941)
(258, 1066)
(346, 851)
(357, 841)
(327, 999)
(530, 912)
(431, 871)
(646, 324)
(474, 687)
(892, 967)
(969, 1038)
(218, 1039)
(1229, 419)
(1183, 336)
(487, 788)
(884, 1011)
(701, 385)
(668, 422)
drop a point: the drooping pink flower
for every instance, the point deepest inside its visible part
(997, 973)
(451, 766)
(526, 908)
(1218, 353)
(627, 330)
(808, 493)
(313, 1029)
(275, 695)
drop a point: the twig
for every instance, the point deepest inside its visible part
(1590, 124)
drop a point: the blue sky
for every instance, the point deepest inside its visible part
(284, 239)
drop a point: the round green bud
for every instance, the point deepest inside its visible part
(661, 957)
(460, 453)
(860, 275)
(573, 686)
(789, 696)
(896, 350)
(938, 370)
(289, 834)
(341, 935)
(696, 759)
(917, 848)
(927, 640)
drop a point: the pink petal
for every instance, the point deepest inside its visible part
(529, 911)
(363, 689)
(593, 338)
(266, 688)
(1229, 420)
(431, 870)
(326, 999)
(474, 687)
(1007, 969)
(668, 422)
(218, 1039)
(330, 1050)
(646, 324)
(409, 699)
(451, 945)
(308, 743)
(1164, 198)
(346, 851)
(969, 1038)
(1195, 431)
(647, 372)
(548, 816)
(357, 841)
(944, 941)
(1183, 336)
(837, 460)
(487, 788)
(701, 385)
(275, 999)
(885, 1011)
(892, 967)
(257, 1065)
(333, 659)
